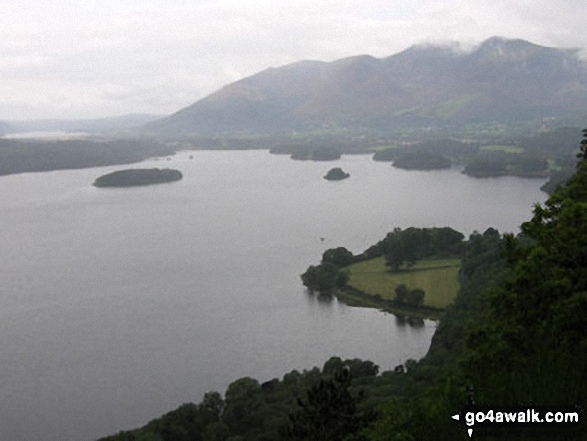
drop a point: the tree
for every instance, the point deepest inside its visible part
(401, 293)
(324, 277)
(357, 368)
(412, 297)
(401, 252)
(444, 241)
(338, 256)
(415, 297)
(182, 424)
(333, 366)
(329, 412)
(211, 407)
(407, 246)
(217, 432)
(244, 406)
(583, 154)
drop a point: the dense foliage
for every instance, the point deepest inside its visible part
(312, 404)
(324, 277)
(329, 412)
(412, 244)
(338, 256)
(411, 297)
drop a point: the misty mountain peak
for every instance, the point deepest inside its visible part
(500, 80)
(500, 48)
(427, 51)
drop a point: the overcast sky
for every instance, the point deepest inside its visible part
(95, 58)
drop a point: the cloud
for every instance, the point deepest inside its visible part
(88, 59)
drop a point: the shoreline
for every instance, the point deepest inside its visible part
(354, 297)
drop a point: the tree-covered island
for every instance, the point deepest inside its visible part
(336, 174)
(138, 177)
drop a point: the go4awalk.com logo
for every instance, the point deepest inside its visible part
(496, 419)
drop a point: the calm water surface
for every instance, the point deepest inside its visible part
(120, 304)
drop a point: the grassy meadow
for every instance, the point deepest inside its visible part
(438, 278)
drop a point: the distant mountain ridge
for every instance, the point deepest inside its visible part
(108, 124)
(500, 80)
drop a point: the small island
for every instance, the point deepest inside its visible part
(137, 177)
(336, 174)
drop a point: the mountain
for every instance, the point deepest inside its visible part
(501, 80)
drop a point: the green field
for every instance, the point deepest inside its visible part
(438, 278)
(502, 148)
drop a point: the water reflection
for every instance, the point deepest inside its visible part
(328, 300)
(412, 322)
(324, 299)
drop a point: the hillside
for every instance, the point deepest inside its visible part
(501, 80)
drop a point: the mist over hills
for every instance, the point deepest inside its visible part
(95, 125)
(501, 80)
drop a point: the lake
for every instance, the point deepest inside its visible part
(120, 304)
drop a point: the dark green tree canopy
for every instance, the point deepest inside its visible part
(535, 327)
(338, 256)
(329, 412)
(411, 297)
(407, 246)
(324, 277)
